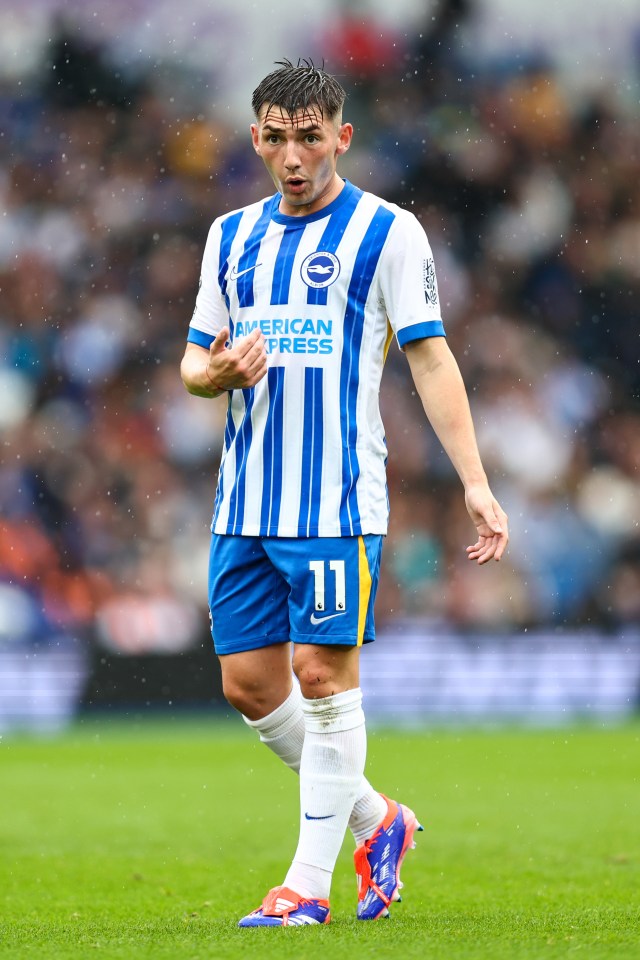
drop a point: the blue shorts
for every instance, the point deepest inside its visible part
(267, 590)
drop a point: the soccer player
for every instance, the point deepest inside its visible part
(300, 297)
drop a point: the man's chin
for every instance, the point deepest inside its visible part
(296, 204)
(297, 197)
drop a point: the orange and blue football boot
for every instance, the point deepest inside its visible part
(283, 907)
(379, 859)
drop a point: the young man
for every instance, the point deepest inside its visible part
(300, 296)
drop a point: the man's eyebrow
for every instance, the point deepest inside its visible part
(299, 129)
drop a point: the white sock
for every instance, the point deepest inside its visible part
(368, 812)
(331, 767)
(283, 729)
(283, 732)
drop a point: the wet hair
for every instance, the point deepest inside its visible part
(298, 88)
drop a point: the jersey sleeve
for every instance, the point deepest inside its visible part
(408, 282)
(211, 313)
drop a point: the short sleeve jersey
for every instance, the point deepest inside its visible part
(304, 450)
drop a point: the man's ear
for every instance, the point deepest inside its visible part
(255, 136)
(344, 138)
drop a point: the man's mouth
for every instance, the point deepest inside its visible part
(295, 183)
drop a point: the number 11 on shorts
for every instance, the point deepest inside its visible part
(317, 567)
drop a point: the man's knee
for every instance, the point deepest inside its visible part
(325, 671)
(239, 695)
(252, 699)
(316, 680)
(257, 682)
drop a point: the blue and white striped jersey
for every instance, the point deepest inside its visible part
(304, 450)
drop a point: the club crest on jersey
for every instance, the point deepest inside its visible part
(320, 269)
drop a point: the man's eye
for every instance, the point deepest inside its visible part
(311, 138)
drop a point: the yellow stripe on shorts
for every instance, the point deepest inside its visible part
(364, 576)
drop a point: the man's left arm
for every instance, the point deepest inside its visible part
(440, 386)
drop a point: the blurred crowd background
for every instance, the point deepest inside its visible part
(111, 170)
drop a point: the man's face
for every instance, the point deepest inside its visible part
(301, 153)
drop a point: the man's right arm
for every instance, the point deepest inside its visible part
(210, 367)
(208, 373)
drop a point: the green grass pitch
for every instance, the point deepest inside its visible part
(150, 840)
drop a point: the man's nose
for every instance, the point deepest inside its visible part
(292, 158)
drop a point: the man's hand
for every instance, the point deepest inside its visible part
(490, 521)
(243, 365)
(208, 373)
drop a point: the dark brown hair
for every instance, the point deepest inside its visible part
(297, 88)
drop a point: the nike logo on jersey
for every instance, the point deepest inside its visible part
(315, 619)
(236, 274)
(308, 816)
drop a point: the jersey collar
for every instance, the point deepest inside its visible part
(347, 191)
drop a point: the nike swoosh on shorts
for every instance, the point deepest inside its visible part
(315, 619)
